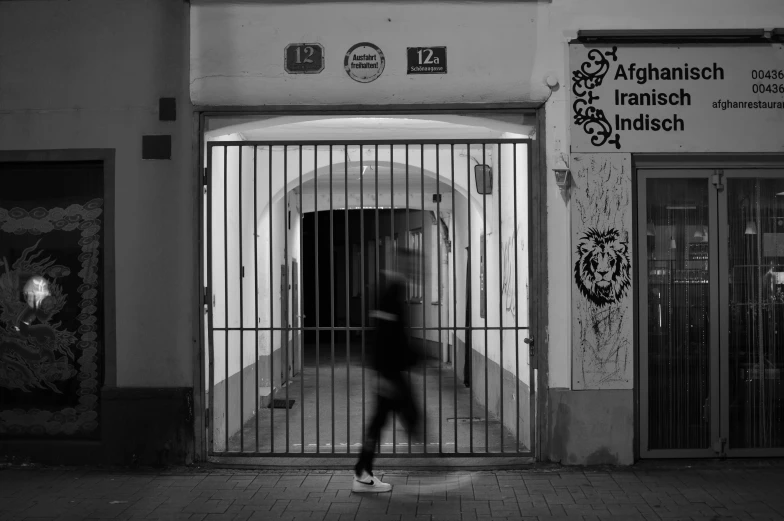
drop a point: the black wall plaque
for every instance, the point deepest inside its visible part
(156, 147)
(426, 60)
(303, 58)
(167, 109)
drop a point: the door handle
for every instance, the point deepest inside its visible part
(531, 348)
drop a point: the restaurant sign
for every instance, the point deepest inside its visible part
(667, 98)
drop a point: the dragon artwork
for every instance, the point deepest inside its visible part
(35, 349)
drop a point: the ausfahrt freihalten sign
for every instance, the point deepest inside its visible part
(686, 98)
(364, 62)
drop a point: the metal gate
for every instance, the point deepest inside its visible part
(298, 235)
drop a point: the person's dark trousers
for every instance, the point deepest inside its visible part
(402, 402)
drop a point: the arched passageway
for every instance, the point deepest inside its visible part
(299, 234)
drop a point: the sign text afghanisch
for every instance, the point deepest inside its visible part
(667, 98)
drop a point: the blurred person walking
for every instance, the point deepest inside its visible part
(392, 356)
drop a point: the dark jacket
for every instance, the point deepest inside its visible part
(393, 350)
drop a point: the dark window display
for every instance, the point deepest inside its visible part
(51, 299)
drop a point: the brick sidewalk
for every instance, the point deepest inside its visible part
(725, 490)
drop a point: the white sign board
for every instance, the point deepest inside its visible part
(364, 62)
(668, 98)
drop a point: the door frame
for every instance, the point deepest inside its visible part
(538, 321)
(642, 312)
(684, 161)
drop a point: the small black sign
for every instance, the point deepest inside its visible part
(304, 58)
(426, 60)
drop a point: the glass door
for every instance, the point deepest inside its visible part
(711, 309)
(678, 281)
(751, 211)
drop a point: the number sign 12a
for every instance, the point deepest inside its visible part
(426, 60)
(304, 58)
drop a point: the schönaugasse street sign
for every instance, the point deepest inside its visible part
(304, 58)
(364, 62)
(426, 60)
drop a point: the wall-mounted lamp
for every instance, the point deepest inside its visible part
(561, 171)
(483, 175)
(751, 228)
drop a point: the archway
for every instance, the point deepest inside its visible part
(263, 191)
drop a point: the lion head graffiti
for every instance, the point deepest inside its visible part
(602, 268)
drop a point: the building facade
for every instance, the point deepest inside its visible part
(200, 200)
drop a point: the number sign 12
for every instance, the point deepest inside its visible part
(304, 58)
(426, 60)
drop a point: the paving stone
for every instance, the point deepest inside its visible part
(342, 508)
(438, 507)
(290, 495)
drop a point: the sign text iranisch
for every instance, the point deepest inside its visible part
(624, 99)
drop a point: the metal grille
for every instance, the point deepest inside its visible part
(298, 235)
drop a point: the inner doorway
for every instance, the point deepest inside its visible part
(711, 312)
(339, 211)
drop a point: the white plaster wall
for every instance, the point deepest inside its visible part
(602, 324)
(557, 22)
(234, 247)
(237, 56)
(497, 52)
(88, 74)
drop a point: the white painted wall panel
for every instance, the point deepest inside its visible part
(602, 321)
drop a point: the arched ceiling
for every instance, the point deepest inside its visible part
(305, 128)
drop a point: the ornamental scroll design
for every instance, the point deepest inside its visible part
(584, 80)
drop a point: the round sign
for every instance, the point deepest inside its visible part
(364, 62)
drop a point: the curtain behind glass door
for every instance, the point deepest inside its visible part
(678, 326)
(755, 222)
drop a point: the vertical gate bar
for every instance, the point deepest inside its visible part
(394, 261)
(470, 304)
(500, 296)
(408, 275)
(438, 292)
(362, 284)
(332, 299)
(454, 286)
(348, 310)
(484, 301)
(286, 313)
(226, 286)
(300, 322)
(318, 317)
(424, 288)
(242, 311)
(377, 267)
(517, 289)
(210, 310)
(532, 356)
(256, 286)
(272, 309)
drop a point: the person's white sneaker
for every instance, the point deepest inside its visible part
(369, 483)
